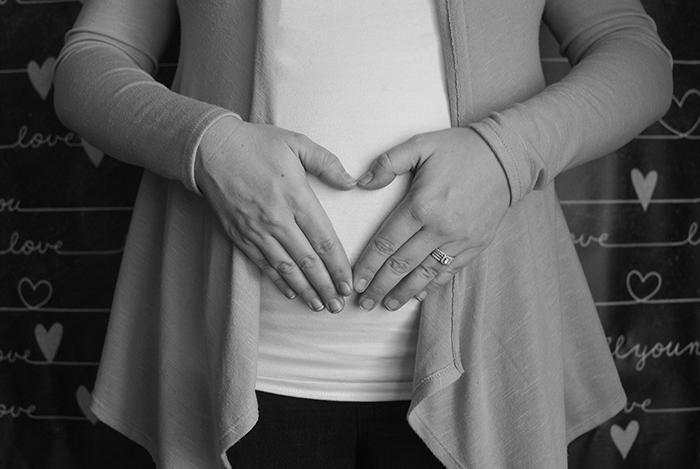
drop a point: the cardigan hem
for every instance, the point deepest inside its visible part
(122, 426)
(596, 419)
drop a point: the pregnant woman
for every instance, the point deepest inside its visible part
(390, 162)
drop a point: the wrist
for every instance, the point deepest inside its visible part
(211, 143)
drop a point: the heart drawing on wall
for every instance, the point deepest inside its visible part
(93, 153)
(624, 439)
(34, 295)
(677, 113)
(49, 340)
(637, 288)
(41, 76)
(84, 398)
(644, 185)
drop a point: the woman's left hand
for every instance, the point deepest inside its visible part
(457, 199)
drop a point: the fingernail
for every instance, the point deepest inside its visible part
(349, 180)
(392, 305)
(290, 294)
(364, 180)
(345, 289)
(316, 305)
(360, 285)
(334, 306)
(421, 296)
(367, 304)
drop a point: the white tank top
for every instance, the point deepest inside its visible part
(357, 78)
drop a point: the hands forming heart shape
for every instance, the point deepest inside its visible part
(458, 196)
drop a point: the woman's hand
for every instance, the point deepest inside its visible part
(254, 177)
(458, 197)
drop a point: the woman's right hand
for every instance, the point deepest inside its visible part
(254, 178)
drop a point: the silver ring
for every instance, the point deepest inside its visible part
(441, 257)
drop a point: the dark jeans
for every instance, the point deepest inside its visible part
(305, 433)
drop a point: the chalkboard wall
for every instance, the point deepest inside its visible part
(65, 209)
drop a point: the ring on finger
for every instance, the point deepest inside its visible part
(441, 257)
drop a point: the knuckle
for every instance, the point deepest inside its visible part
(300, 138)
(285, 267)
(271, 218)
(328, 160)
(427, 271)
(377, 290)
(420, 209)
(263, 264)
(399, 266)
(383, 246)
(326, 293)
(234, 235)
(384, 162)
(307, 293)
(294, 205)
(337, 273)
(325, 246)
(308, 261)
(417, 140)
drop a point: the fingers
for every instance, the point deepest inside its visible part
(262, 262)
(401, 159)
(322, 163)
(392, 253)
(394, 290)
(303, 269)
(268, 209)
(417, 283)
(320, 254)
(407, 262)
(295, 268)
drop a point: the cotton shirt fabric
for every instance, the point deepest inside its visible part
(333, 84)
(511, 360)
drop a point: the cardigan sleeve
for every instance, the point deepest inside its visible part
(105, 91)
(619, 84)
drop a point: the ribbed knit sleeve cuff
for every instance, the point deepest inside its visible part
(500, 148)
(199, 129)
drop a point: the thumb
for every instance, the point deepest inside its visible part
(325, 165)
(399, 160)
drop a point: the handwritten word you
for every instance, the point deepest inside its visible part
(641, 353)
(11, 205)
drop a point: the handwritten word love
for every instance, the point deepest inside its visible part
(641, 352)
(12, 356)
(37, 2)
(692, 239)
(16, 246)
(38, 140)
(632, 406)
(16, 411)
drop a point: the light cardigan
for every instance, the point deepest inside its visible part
(512, 362)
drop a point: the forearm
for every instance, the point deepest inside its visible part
(104, 92)
(621, 83)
